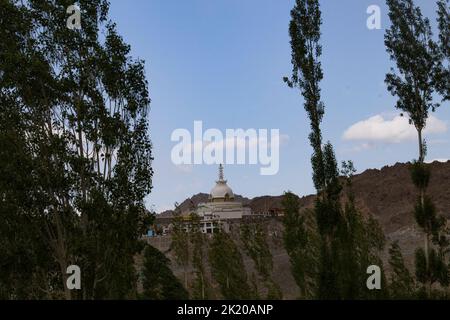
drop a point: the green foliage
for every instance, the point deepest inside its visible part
(420, 71)
(401, 282)
(361, 241)
(159, 283)
(437, 270)
(431, 263)
(253, 236)
(254, 287)
(304, 30)
(302, 243)
(77, 113)
(273, 291)
(344, 250)
(420, 175)
(425, 214)
(409, 43)
(200, 286)
(227, 267)
(180, 243)
(254, 239)
(442, 77)
(357, 244)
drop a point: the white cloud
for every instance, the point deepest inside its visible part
(438, 160)
(395, 130)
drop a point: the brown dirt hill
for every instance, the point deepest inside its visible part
(389, 195)
(262, 204)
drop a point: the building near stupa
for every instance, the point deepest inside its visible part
(221, 207)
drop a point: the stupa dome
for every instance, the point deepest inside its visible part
(221, 191)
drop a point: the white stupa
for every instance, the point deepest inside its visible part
(221, 191)
(221, 206)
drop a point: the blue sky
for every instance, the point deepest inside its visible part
(222, 62)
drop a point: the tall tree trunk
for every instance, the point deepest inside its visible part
(185, 277)
(203, 285)
(63, 267)
(421, 147)
(61, 254)
(422, 202)
(427, 241)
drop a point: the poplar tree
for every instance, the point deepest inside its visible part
(227, 267)
(332, 220)
(361, 241)
(254, 239)
(304, 30)
(443, 75)
(200, 285)
(409, 42)
(401, 282)
(302, 243)
(159, 283)
(180, 244)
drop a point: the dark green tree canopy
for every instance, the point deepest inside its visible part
(76, 117)
(159, 283)
(409, 42)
